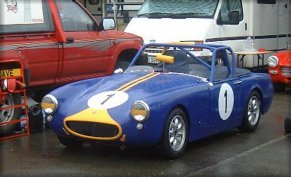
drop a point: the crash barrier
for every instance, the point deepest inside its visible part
(14, 121)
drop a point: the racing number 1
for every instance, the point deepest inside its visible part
(108, 97)
(225, 101)
(225, 96)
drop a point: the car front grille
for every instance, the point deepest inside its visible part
(286, 71)
(93, 129)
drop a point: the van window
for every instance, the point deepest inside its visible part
(229, 6)
(73, 16)
(178, 9)
(25, 17)
(267, 1)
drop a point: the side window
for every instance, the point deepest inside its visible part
(73, 17)
(231, 10)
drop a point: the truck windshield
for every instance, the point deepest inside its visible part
(178, 8)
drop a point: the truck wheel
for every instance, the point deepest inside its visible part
(122, 64)
(287, 125)
(175, 135)
(10, 113)
(252, 113)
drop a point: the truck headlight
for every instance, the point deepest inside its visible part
(273, 61)
(49, 104)
(140, 111)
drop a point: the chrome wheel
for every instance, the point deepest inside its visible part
(252, 113)
(253, 110)
(177, 133)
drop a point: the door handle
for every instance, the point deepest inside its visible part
(237, 82)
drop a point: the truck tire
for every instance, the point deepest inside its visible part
(122, 64)
(10, 113)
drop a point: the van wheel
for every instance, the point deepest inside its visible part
(220, 59)
(175, 134)
(9, 114)
(252, 113)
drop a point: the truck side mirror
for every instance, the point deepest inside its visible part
(108, 24)
(234, 18)
(93, 2)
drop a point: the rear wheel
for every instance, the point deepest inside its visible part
(252, 113)
(175, 135)
(9, 113)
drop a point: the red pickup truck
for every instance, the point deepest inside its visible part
(58, 41)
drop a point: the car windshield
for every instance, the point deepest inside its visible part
(178, 9)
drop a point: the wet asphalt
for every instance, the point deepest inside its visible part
(266, 152)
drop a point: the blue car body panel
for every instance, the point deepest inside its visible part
(200, 99)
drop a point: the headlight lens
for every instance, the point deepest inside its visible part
(49, 104)
(140, 111)
(273, 61)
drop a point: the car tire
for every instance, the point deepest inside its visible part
(175, 134)
(287, 125)
(10, 114)
(252, 113)
(70, 142)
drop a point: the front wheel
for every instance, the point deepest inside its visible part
(9, 113)
(252, 113)
(175, 134)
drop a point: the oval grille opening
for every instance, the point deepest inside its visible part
(93, 129)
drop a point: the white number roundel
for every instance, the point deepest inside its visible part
(107, 100)
(225, 101)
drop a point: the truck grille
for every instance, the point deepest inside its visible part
(286, 71)
(93, 129)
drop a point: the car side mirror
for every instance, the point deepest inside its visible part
(93, 2)
(108, 24)
(234, 18)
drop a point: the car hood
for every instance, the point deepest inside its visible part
(75, 97)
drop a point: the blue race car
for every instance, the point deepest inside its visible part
(167, 97)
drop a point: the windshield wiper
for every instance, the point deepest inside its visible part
(192, 14)
(155, 15)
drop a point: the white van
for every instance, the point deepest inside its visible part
(227, 22)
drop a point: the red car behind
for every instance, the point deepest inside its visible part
(280, 69)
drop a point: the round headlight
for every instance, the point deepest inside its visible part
(140, 111)
(49, 104)
(273, 61)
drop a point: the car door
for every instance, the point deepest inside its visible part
(225, 99)
(87, 52)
